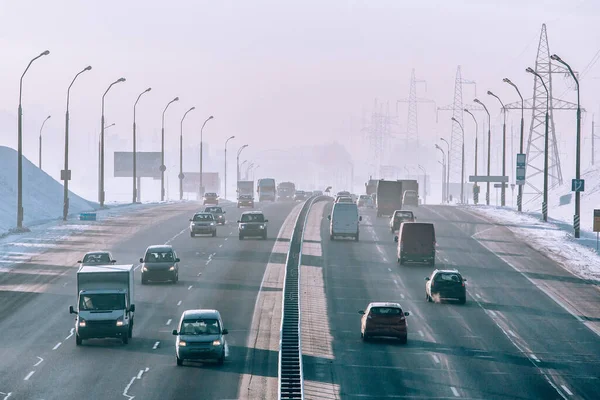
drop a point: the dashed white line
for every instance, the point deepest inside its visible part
(65, 284)
(7, 395)
(436, 359)
(179, 303)
(226, 239)
(220, 245)
(29, 375)
(199, 273)
(492, 313)
(534, 357)
(155, 345)
(169, 321)
(421, 333)
(512, 333)
(566, 389)
(389, 269)
(190, 287)
(402, 295)
(41, 360)
(70, 334)
(176, 236)
(57, 346)
(478, 296)
(209, 260)
(395, 282)
(139, 375)
(454, 391)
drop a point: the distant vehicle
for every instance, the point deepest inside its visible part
(389, 197)
(416, 243)
(245, 200)
(300, 195)
(218, 213)
(97, 258)
(399, 217)
(203, 223)
(371, 187)
(211, 198)
(344, 221)
(105, 300)
(200, 337)
(285, 191)
(344, 199)
(160, 263)
(245, 188)
(364, 200)
(252, 223)
(384, 320)
(343, 193)
(410, 199)
(317, 193)
(446, 284)
(266, 189)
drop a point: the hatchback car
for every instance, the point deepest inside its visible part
(383, 319)
(203, 223)
(97, 258)
(399, 217)
(446, 285)
(200, 337)
(211, 198)
(160, 263)
(245, 200)
(252, 223)
(218, 213)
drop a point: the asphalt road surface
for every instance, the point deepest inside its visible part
(510, 341)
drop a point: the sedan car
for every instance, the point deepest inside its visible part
(344, 199)
(446, 284)
(200, 337)
(218, 213)
(399, 217)
(160, 263)
(203, 223)
(300, 195)
(252, 223)
(384, 320)
(211, 198)
(245, 200)
(97, 258)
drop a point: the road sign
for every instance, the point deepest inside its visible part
(521, 160)
(577, 185)
(520, 178)
(485, 178)
(596, 220)
(65, 176)
(499, 185)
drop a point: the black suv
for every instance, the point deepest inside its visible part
(446, 284)
(252, 223)
(218, 213)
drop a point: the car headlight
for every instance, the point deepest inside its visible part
(119, 322)
(242, 227)
(261, 227)
(182, 343)
(82, 323)
(217, 342)
(144, 268)
(172, 268)
(212, 224)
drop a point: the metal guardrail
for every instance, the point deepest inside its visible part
(290, 373)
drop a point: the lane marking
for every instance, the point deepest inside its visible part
(41, 360)
(209, 260)
(190, 287)
(534, 357)
(7, 395)
(402, 295)
(138, 376)
(478, 296)
(436, 359)
(65, 284)
(566, 389)
(220, 245)
(454, 391)
(70, 334)
(169, 321)
(421, 333)
(199, 273)
(226, 239)
(491, 312)
(29, 375)
(137, 266)
(179, 303)
(57, 346)
(176, 236)
(155, 345)
(395, 282)
(512, 333)
(389, 269)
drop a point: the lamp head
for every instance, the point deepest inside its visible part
(453, 119)
(49, 116)
(476, 101)
(121, 80)
(191, 109)
(45, 53)
(490, 93)
(506, 80)
(555, 57)
(232, 137)
(147, 90)
(211, 117)
(89, 67)
(529, 70)
(176, 99)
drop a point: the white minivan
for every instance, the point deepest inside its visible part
(344, 221)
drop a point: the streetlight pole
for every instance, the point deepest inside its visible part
(250, 165)
(201, 144)
(66, 174)
(443, 173)
(228, 139)
(447, 170)
(135, 148)
(424, 184)
(101, 193)
(163, 167)
(462, 161)
(578, 148)
(545, 201)
(181, 176)
(503, 188)
(48, 117)
(20, 146)
(520, 194)
(475, 186)
(238, 161)
(489, 156)
(254, 171)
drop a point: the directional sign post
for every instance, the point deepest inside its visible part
(521, 161)
(577, 185)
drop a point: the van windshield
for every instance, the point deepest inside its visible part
(345, 209)
(102, 302)
(253, 218)
(200, 327)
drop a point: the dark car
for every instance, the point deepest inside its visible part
(245, 200)
(200, 337)
(416, 243)
(399, 217)
(97, 258)
(300, 195)
(211, 198)
(160, 263)
(446, 285)
(218, 213)
(203, 223)
(410, 198)
(252, 223)
(384, 320)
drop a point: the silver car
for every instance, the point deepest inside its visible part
(97, 258)
(160, 263)
(203, 223)
(200, 337)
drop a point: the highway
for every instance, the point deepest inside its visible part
(510, 341)
(39, 359)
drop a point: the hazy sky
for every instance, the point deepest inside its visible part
(273, 73)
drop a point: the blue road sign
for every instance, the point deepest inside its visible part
(521, 160)
(577, 185)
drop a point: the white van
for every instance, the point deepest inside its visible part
(344, 221)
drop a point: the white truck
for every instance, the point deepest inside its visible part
(105, 306)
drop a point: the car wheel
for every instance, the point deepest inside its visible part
(214, 234)
(130, 331)
(356, 238)
(144, 281)
(264, 237)
(432, 262)
(401, 261)
(192, 234)
(179, 361)
(404, 339)
(428, 297)
(221, 360)
(78, 340)
(462, 300)
(125, 339)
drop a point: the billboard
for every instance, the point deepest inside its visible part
(210, 180)
(147, 165)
